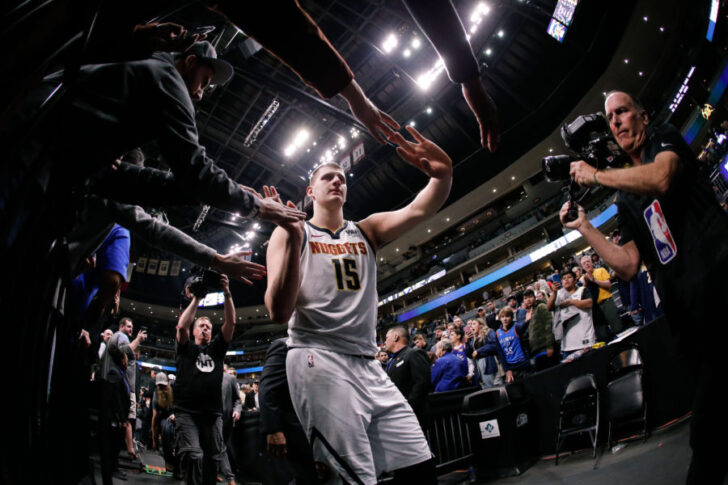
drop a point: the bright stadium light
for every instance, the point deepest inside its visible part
(480, 11)
(425, 80)
(390, 43)
(416, 43)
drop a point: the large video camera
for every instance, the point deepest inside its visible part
(590, 138)
(203, 282)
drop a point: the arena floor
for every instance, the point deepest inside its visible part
(663, 460)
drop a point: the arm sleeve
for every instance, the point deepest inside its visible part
(420, 372)
(194, 172)
(439, 21)
(273, 390)
(436, 373)
(544, 319)
(142, 186)
(159, 234)
(304, 47)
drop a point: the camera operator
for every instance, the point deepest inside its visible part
(668, 217)
(198, 396)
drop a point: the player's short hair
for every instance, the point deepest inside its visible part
(402, 332)
(441, 327)
(528, 293)
(124, 321)
(312, 177)
(506, 311)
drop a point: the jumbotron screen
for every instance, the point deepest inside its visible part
(212, 299)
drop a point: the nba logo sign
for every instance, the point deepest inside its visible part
(661, 236)
(310, 360)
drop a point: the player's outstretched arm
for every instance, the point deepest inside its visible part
(431, 160)
(284, 265)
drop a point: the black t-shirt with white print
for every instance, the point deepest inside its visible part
(199, 376)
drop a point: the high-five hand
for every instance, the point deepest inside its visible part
(424, 154)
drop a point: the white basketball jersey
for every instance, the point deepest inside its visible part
(336, 307)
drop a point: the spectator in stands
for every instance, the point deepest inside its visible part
(252, 400)
(599, 285)
(461, 309)
(578, 273)
(480, 313)
(437, 336)
(383, 358)
(198, 395)
(573, 317)
(491, 319)
(596, 262)
(541, 334)
(120, 340)
(512, 355)
(519, 313)
(163, 423)
(114, 413)
(420, 341)
(105, 336)
(484, 351)
(543, 285)
(232, 406)
(449, 371)
(409, 369)
(463, 352)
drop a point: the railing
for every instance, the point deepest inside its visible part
(447, 433)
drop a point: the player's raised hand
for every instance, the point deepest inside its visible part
(237, 267)
(423, 154)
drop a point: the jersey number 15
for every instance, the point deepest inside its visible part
(346, 276)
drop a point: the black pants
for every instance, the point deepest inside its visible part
(199, 440)
(111, 439)
(708, 427)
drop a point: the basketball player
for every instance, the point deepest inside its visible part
(322, 281)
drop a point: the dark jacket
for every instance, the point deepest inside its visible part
(409, 369)
(487, 349)
(541, 333)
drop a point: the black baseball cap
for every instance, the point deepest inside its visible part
(204, 50)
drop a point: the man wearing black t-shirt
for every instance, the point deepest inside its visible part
(197, 396)
(669, 218)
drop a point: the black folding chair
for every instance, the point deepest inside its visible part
(579, 412)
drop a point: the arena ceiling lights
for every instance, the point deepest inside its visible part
(298, 141)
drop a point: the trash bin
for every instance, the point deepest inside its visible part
(502, 426)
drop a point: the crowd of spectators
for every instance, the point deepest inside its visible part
(556, 318)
